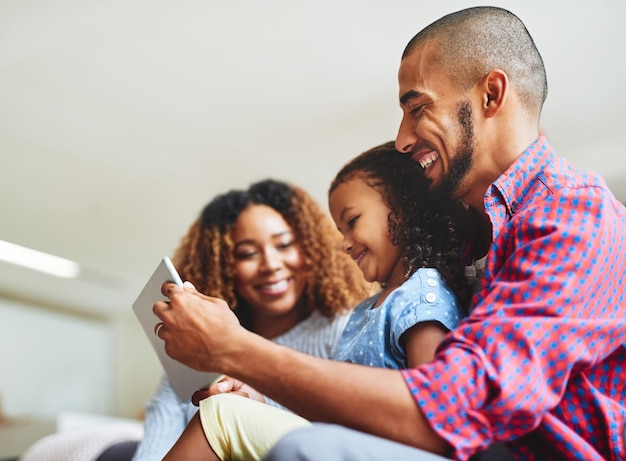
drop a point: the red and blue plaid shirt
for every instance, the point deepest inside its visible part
(541, 362)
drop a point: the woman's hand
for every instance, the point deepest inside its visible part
(228, 385)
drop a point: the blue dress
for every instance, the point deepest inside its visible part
(372, 335)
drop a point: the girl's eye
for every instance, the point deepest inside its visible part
(352, 222)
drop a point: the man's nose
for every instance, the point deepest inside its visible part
(406, 137)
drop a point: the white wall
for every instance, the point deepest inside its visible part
(52, 361)
(138, 368)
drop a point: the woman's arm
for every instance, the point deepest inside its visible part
(166, 418)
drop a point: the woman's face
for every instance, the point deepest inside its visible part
(268, 269)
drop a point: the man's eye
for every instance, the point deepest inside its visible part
(415, 110)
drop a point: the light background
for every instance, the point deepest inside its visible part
(120, 119)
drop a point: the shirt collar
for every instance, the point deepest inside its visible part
(513, 185)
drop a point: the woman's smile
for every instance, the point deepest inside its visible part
(278, 287)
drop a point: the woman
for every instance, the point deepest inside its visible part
(275, 256)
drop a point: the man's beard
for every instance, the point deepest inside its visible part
(461, 163)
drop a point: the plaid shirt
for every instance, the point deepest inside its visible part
(541, 361)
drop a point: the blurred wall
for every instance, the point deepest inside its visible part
(53, 362)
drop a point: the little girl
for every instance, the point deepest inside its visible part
(399, 235)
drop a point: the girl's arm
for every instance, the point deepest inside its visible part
(421, 342)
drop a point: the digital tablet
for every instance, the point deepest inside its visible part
(184, 380)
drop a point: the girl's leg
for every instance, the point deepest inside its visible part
(192, 444)
(241, 428)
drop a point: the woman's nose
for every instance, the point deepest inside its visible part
(271, 260)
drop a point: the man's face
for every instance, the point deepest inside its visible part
(461, 161)
(437, 126)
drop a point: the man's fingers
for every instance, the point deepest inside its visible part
(169, 288)
(157, 328)
(188, 286)
(159, 307)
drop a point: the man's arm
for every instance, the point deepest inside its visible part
(203, 333)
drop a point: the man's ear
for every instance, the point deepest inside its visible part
(494, 87)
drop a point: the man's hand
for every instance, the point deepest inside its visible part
(196, 328)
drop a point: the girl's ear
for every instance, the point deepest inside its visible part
(494, 87)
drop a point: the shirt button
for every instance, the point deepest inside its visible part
(431, 297)
(432, 282)
(431, 272)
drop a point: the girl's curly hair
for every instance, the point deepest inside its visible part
(433, 231)
(205, 255)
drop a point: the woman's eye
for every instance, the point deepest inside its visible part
(286, 245)
(352, 222)
(245, 254)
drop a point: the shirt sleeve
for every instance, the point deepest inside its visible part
(541, 317)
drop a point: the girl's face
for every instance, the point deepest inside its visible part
(268, 269)
(361, 216)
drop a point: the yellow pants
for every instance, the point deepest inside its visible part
(241, 428)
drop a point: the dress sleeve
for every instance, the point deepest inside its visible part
(425, 297)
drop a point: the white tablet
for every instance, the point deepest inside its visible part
(184, 380)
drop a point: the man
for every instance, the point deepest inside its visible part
(541, 362)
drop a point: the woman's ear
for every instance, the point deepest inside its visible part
(494, 87)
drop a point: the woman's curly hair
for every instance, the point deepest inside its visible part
(205, 256)
(433, 231)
